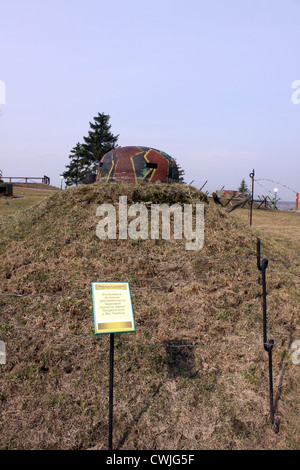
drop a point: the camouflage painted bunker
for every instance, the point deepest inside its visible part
(136, 165)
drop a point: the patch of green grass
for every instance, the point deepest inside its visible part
(229, 314)
(250, 375)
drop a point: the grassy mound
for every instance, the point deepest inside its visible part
(193, 376)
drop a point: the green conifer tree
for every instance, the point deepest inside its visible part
(99, 141)
(243, 188)
(85, 157)
(77, 169)
(181, 173)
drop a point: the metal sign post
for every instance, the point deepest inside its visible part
(113, 313)
(111, 389)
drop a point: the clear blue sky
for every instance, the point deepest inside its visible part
(208, 82)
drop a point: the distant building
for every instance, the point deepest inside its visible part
(136, 165)
(227, 193)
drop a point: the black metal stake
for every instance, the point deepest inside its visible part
(264, 266)
(111, 389)
(258, 255)
(268, 346)
(252, 196)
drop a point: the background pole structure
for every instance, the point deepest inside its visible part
(111, 389)
(252, 196)
(297, 202)
(275, 200)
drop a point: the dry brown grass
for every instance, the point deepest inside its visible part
(281, 227)
(193, 376)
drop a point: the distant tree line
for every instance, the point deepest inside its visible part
(85, 157)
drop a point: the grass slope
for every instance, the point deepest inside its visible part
(195, 373)
(25, 195)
